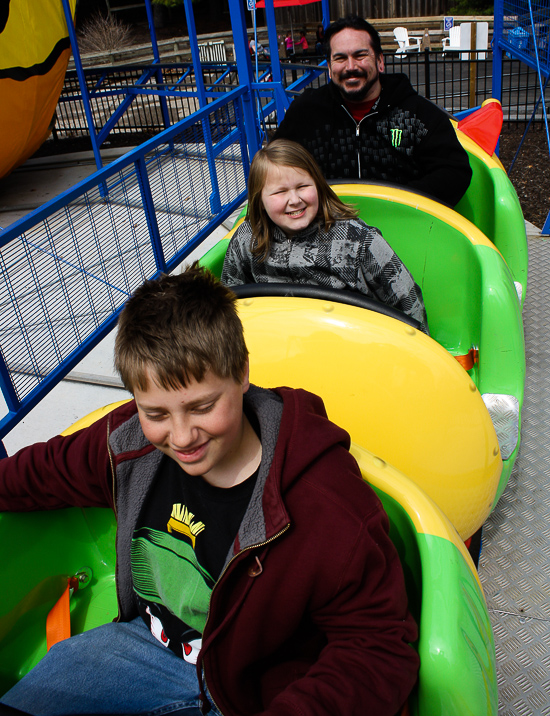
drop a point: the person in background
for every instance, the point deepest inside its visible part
(319, 40)
(365, 124)
(259, 50)
(302, 42)
(289, 45)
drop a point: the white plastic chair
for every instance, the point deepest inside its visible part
(459, 40)
(452, 43)
(401, 34)
(482, 39)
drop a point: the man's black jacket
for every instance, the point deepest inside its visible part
(405, 139)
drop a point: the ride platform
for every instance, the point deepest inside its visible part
(515, 558)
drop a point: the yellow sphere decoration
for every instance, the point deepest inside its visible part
(34, 53)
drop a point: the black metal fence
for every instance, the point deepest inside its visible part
(453, 81)
(163, 96)
(458, 82)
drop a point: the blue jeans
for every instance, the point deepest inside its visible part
(113, 669)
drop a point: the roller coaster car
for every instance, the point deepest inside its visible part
(401, 394)
(422, 403)
(457, 654)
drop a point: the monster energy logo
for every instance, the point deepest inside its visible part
(396, 135)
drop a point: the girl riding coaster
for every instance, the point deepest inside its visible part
(298, 231)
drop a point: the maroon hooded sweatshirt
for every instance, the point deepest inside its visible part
(309, 615)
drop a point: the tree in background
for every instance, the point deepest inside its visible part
(471, 7)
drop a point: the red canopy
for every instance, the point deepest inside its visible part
(286, 3)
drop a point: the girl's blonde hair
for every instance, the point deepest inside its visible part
(284, 153)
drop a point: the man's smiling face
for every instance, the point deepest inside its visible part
(354, 67)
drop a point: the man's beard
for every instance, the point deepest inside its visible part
(357, 95)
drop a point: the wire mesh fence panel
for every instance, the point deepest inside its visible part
(525, 31)
(183, 192)
(67, 269)
(64, 276)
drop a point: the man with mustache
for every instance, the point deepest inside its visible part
(369, 125)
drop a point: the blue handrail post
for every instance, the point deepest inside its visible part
(244, 70)
(156, 55)
(83, 85)
(498, 27)
(215, 202)
(281, 100)
(6, 385)
(150, 213)
(326, 13)
(9, 394)
(195, 53)
(152, 31)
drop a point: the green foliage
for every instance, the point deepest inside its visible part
(167, 3)
(471, 7)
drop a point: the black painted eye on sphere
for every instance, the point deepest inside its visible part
(4, 13)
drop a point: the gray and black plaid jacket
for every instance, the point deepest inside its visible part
(351, 255)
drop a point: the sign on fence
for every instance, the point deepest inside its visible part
(448, 22)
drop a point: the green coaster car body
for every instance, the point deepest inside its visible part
(492, 205)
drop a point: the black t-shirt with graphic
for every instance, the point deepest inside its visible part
(179, 547)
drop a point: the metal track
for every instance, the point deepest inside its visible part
(515, 557)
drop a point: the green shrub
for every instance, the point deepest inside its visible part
(103, 33)
(167, 3)
(471, 7)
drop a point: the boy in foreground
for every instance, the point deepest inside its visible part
(255, 574)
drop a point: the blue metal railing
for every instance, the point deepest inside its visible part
(125, 99)
(522, 31)
(68, 267)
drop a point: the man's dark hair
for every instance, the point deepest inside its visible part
(353, 22)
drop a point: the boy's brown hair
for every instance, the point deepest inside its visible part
(178, 328)
(285, 153)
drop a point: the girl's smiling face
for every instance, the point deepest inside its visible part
(290, 198)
